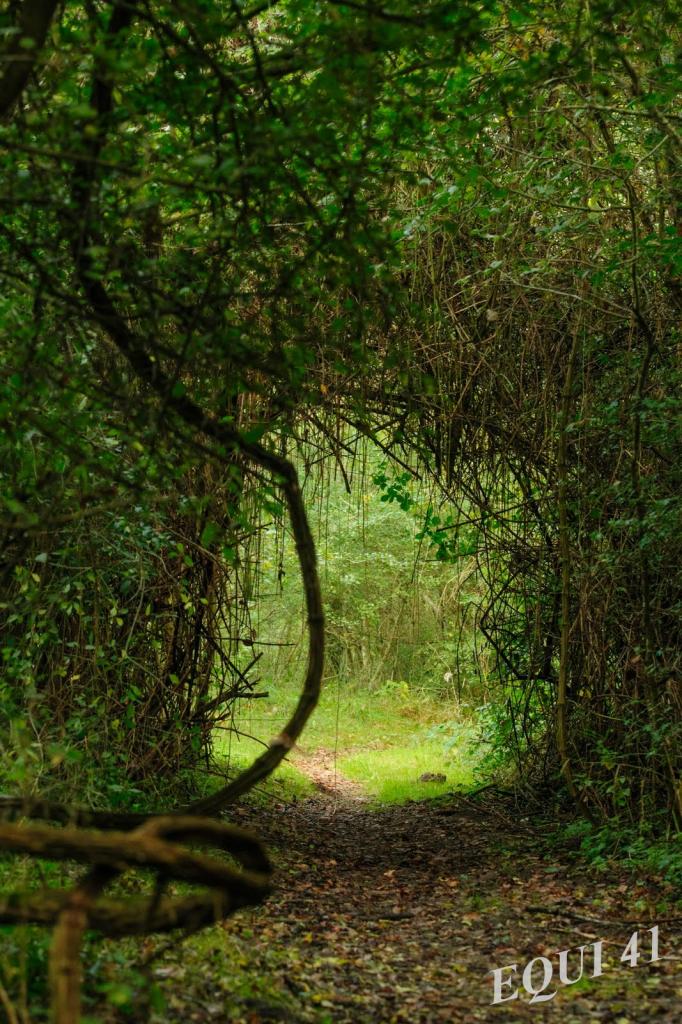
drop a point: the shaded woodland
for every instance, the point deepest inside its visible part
(246, 249)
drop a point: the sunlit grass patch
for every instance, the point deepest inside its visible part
(349, 716)
(385, 739)
(234, 752)
(392, 775)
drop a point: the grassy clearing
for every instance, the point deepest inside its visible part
(392, 775)
(384, 740)
(235, 752)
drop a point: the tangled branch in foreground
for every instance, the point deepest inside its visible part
(159, 844)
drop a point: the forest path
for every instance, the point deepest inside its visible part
(320, 767)
(398, 914)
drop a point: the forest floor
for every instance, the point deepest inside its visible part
(399, 913)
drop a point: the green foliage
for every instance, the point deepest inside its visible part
(642, 850)
(195, 200)
(435, 246)
(23, 969)
(393, 610)
(306, 223)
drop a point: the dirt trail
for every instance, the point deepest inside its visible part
(398, 914)
(320, 767)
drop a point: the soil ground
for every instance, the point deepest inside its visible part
(400, 913)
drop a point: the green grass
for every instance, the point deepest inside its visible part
(351, 717)
(392, 774)
(384, 740)
(347, 717)
(235, 752)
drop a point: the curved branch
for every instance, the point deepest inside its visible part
(157, 844)
(194, 416)
(147, 369)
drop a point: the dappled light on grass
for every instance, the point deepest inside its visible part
(385, 741)
(393, 774)
(233, 753)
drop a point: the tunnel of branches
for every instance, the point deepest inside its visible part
(205, 314)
